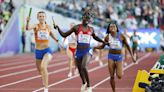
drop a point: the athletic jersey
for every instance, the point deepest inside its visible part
(135, 38)
(72, 38)
(84, 37)
(115, 43)
(42, 34)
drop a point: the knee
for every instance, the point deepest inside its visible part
(42, 68)
(119, 76)
(83, 67)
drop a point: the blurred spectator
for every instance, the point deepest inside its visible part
(130, 21)
(136, 13)
(50, 6)
(1, 1)
(6, 9)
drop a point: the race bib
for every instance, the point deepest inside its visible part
(135, 39)
(43, 35)
(84, 38)
(115, 44)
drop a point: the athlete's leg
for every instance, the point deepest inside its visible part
(38, 65)
(74, 63)
(119, 69)
(136, 52)
(45, 61)
(111, 67)
(85, 61)
(70, 61)
(79, 64)
(100, 55)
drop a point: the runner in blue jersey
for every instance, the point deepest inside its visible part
(115, 56)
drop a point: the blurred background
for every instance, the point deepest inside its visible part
(144, 16)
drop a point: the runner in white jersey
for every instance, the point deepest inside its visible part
(99, 51)
(71, 48)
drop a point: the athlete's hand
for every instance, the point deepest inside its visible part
(106, 39)
(28, 19)
(56, 27)
(106, 43)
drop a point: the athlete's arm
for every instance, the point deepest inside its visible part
(139, 37)
(74, 29)
(128, 47)
(127, 35)
(27, 24)
(53, 36)
(106, 39)
(131, 38)
(99, 47)
(64, 40)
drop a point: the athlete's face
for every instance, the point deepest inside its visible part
(112, 28)
(86, 19)
(41, 17)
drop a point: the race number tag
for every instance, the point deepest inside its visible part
(43, 35)
(84, 38)
(135, 39)
(115, 44)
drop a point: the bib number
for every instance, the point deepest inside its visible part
(43, 35)
(115, 44)
(84, 38)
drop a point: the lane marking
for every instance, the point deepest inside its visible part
(30, 70)
(64, 80)
(128, 66)
(34, 77)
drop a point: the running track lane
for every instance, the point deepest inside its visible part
(14, 77)
(127, 82)
(74, 84)
(66, 86)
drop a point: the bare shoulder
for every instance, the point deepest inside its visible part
(75, 28)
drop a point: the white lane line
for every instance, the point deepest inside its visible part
(21, 62)
(26, 58)
(16, 67)
(30, 70)
(128, 66)
(21, 66)
(64, 80)
(13, 63)
(34, 77)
